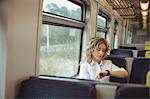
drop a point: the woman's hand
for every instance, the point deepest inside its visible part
(101, 75)
(120, 74)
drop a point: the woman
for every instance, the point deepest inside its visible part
(94, 66)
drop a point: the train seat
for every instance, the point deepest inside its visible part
(140, 67)
(105, 91)
(141, 53)
(121, 52)
(147, 54)
(148, 79)
(132, 91)
(135, 52)
(129, 62)
(120, 62)
(41, 88)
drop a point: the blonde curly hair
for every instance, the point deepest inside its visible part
(94, 42)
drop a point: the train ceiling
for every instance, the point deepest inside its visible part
(129, 9)
(123, 7)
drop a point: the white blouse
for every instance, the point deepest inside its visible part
(90, 70)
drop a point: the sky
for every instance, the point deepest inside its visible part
(61, 3)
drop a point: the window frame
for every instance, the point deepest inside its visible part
(79, 3)
(101, 29)
(58, 20)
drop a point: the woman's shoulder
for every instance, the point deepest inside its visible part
(83, 62)
(107, 61)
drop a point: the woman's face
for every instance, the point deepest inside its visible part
(98, 53)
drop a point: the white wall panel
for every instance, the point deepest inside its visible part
(21, 43)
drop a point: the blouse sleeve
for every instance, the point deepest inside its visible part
(84, 74)
(116, 68)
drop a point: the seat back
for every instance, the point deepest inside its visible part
(105, 91)
(54, 88)
(120, 62)
(141, 53)
(128, 47)
(129, 61)
(148, 79)
(147, 54)
(140, 67)
(121, 52)
(132, 92)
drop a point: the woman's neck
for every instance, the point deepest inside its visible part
(98, 61)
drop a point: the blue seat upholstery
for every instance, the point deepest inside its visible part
(141, 53)
(120, 62)
(133, 92)
(140, 67)
(121, 52)
(38, 88)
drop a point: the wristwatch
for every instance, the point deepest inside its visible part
(108, 73)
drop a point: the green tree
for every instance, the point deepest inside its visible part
(64, 11)
(53, 8)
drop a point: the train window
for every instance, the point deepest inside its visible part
(101, 26)
(59, 52)
(63, 8)
(60, 41)
(101, 34)
(101, 21)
